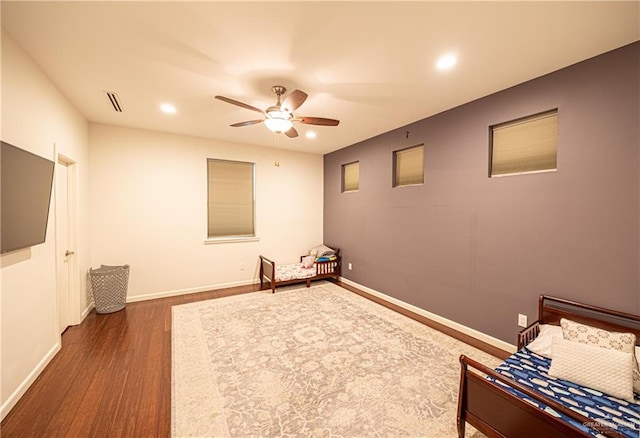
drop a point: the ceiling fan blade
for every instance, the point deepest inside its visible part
(294, 100)
(247, 123)
(291, 133)
(235, 102)
(318, 121)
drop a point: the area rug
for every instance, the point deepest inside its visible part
(311, 362)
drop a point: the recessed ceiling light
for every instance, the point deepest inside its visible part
(167, 108)
(445, 62)
(310, 134)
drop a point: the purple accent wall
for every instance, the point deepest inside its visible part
(479, 250)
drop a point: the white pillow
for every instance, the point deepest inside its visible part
(636, 373)
(542, 343)
(574, 331)
(602, 369)
(321, 250)
(308, 261)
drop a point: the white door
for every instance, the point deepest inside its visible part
(63, 246)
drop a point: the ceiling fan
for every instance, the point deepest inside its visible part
(279, 117)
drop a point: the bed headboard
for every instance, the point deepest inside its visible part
(551, 309)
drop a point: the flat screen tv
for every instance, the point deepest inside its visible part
(26, 181)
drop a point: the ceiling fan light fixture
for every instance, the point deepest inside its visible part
(278, 125)
(278, 121)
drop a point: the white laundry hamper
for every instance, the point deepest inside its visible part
(109, 287)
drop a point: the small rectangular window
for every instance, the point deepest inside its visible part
(230, 199)
(525, 145)
(351, 177)
(408, 166)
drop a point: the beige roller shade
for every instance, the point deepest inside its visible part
(351, 177)
(527, 145)
(409, 166)
(231, 198)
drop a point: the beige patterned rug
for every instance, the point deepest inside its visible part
(317, 362)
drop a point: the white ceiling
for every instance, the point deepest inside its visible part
(369, 64)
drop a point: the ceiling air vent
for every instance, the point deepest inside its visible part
(113, 98)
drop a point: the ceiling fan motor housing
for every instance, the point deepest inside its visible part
(279, 90)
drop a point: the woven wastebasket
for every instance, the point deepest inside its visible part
(109, 287)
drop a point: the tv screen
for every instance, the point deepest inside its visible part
(26, 180)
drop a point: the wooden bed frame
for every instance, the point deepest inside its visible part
(324, 270)
(498, 413)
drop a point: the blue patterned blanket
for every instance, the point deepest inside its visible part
(531, 370)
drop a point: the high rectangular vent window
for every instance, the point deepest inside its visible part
(526, 145)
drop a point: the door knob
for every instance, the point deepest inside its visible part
(67, 253)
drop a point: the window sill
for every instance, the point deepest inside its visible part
(231, 240)
(408, 185)
(530, 172)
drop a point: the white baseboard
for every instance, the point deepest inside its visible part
(173, 293)
(26, 383)
(436, 318)
(86, 312)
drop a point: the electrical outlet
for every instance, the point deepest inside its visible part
(242, 266)
(350, 266)
(522, 320)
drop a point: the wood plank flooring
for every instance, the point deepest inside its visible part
(112, 377)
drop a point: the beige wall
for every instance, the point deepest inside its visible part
(149, 209)
(35, 117)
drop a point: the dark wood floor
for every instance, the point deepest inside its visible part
(112, 377)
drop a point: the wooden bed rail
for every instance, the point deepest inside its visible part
(499, 413)
(328, 267)
(528, 334)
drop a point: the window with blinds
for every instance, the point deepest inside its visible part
(526, 145)
(408, 166)
(351, 177)
(230, 199)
